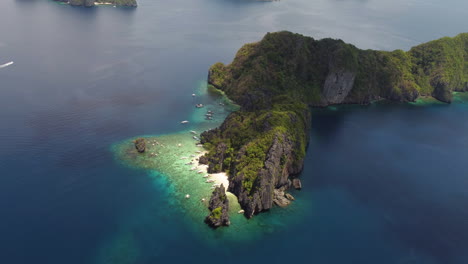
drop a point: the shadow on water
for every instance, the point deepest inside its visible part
(332, 118)
(404, 172)
(330, 122)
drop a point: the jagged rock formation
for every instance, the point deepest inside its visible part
(219, 207)
(140, 145)
(90, 3)
(277, 79)
(297, 184)
(282, 199)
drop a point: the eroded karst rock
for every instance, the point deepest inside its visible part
(140, 145)
(219, 207)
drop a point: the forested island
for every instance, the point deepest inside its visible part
(276, 81)
(90, 3)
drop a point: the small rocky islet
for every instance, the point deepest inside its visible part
(219, 208)
(90, 3)
(140, 145)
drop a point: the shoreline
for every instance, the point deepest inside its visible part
(219, 178)
(104, 3)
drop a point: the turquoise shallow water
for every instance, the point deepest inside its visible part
(165, 161)
(342, 210)
(383, 183)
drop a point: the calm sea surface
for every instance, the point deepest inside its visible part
(383, 184)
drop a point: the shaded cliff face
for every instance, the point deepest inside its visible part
(275, 80)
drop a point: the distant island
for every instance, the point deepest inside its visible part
(276, 81)
(90, 3)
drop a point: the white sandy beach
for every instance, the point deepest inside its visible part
(219, 178)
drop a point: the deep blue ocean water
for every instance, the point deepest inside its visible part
(383, 183)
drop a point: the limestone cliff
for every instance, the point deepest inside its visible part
(259, 150)
(328, 71)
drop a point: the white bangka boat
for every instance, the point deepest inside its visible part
(6, 64)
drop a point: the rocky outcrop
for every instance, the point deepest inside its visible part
(219, 208)
(297, 184)
(140, 145)
(280, 198)
(203, 160)
(289, 196)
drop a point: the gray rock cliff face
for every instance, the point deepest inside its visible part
(216, 162)
(442, 92)
(337, 86)
(274, 175)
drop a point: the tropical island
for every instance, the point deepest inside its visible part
(253, 151)
(90, 3)
(262, 146)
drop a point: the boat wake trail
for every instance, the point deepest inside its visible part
(6, 64)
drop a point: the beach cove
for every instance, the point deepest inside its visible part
(174, 158)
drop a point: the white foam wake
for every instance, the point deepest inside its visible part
(6, 64)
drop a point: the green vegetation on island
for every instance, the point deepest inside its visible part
(275, 81)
